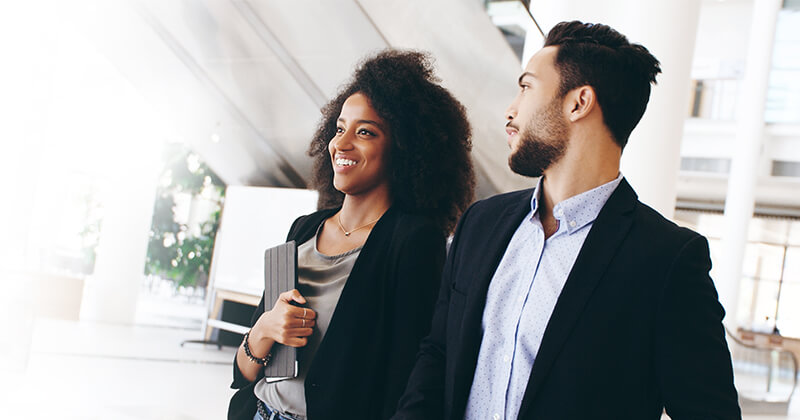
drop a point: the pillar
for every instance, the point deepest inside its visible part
(740, 198)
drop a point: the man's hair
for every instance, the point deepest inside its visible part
(620, 72)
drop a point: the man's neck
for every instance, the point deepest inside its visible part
(568, 178)
(586, 165)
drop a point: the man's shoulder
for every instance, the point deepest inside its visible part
(659, 228)
(502, 201)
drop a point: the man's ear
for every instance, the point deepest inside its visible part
(581, 101)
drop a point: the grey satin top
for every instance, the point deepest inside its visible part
(321, 279)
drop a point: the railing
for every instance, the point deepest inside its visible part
(764, 374)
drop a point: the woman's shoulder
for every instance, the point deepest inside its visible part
(307, 224)
(411, 225)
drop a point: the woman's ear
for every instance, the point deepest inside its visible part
(581, 101)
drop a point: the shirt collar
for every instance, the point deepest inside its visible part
(579, 210)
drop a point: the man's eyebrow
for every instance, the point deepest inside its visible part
(522, 76)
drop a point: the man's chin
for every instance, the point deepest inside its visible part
(522, 168)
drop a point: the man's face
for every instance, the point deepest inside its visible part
(537, 129)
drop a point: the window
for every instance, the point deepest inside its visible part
(770, 284)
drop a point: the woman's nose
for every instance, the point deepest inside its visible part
(343, 141)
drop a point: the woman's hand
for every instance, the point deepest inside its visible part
(285, 323)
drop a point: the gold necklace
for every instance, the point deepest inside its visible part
(346, 232)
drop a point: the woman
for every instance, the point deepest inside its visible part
(392, 167)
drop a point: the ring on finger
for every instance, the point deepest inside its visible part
(304, 323)
(304, 312)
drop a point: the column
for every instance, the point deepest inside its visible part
(740, 199)
(651, 160)
(111, 292)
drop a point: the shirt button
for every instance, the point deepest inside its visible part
(572, 223)
(496, 416)
(506, 359)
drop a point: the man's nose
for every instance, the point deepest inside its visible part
(511, 113)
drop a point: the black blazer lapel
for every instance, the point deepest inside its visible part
(608, 231)
(486, 257)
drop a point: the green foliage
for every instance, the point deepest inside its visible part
(90, 234)
(177, 250)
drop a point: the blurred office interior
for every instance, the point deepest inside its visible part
(145, 141)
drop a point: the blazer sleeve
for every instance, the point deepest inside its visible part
(239, 381)
(419, 269)
(424, 395)
(692, 357)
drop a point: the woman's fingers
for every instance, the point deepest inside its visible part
(296, 342)
(303, 323)
(292, 295)
(295, 337)
(300, 332)
(304, 313)
(291, 325)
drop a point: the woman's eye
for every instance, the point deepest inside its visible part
(365, 132)
(339, 130)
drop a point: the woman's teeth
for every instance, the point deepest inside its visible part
(345, 162)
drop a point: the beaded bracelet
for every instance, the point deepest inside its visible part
(260, 360)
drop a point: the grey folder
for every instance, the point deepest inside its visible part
(280, 275)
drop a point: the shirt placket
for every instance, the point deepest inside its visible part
(501, 337)
(533, 254)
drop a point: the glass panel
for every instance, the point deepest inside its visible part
(514, 21)
(747, 293)
(783, 94)
(784, 168)
(763, 268)
(794, 233)
(788, 314)
(714, 99)
(769, 230)
(712, 165)
(715, 247)
(763, 261)
(760, 302)
(791, 273)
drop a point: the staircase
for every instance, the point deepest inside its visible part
(765, 376)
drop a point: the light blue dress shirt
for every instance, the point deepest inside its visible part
(521, 298)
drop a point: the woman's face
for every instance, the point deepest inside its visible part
(360, 149)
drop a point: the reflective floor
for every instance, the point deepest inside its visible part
(80, 370)
(83, 370)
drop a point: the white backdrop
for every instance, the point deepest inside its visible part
(253, 219)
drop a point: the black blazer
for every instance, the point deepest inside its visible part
(385, 309)
(636, 328)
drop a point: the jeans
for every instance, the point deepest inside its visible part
(271, 414)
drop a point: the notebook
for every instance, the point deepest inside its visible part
(280, 275)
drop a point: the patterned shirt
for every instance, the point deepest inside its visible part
(521, 298)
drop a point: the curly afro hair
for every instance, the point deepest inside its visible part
(431, 170)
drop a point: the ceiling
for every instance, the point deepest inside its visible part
(242, 81)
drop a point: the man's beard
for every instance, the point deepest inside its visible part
(538, 150)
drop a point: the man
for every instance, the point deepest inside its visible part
(574, 300)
